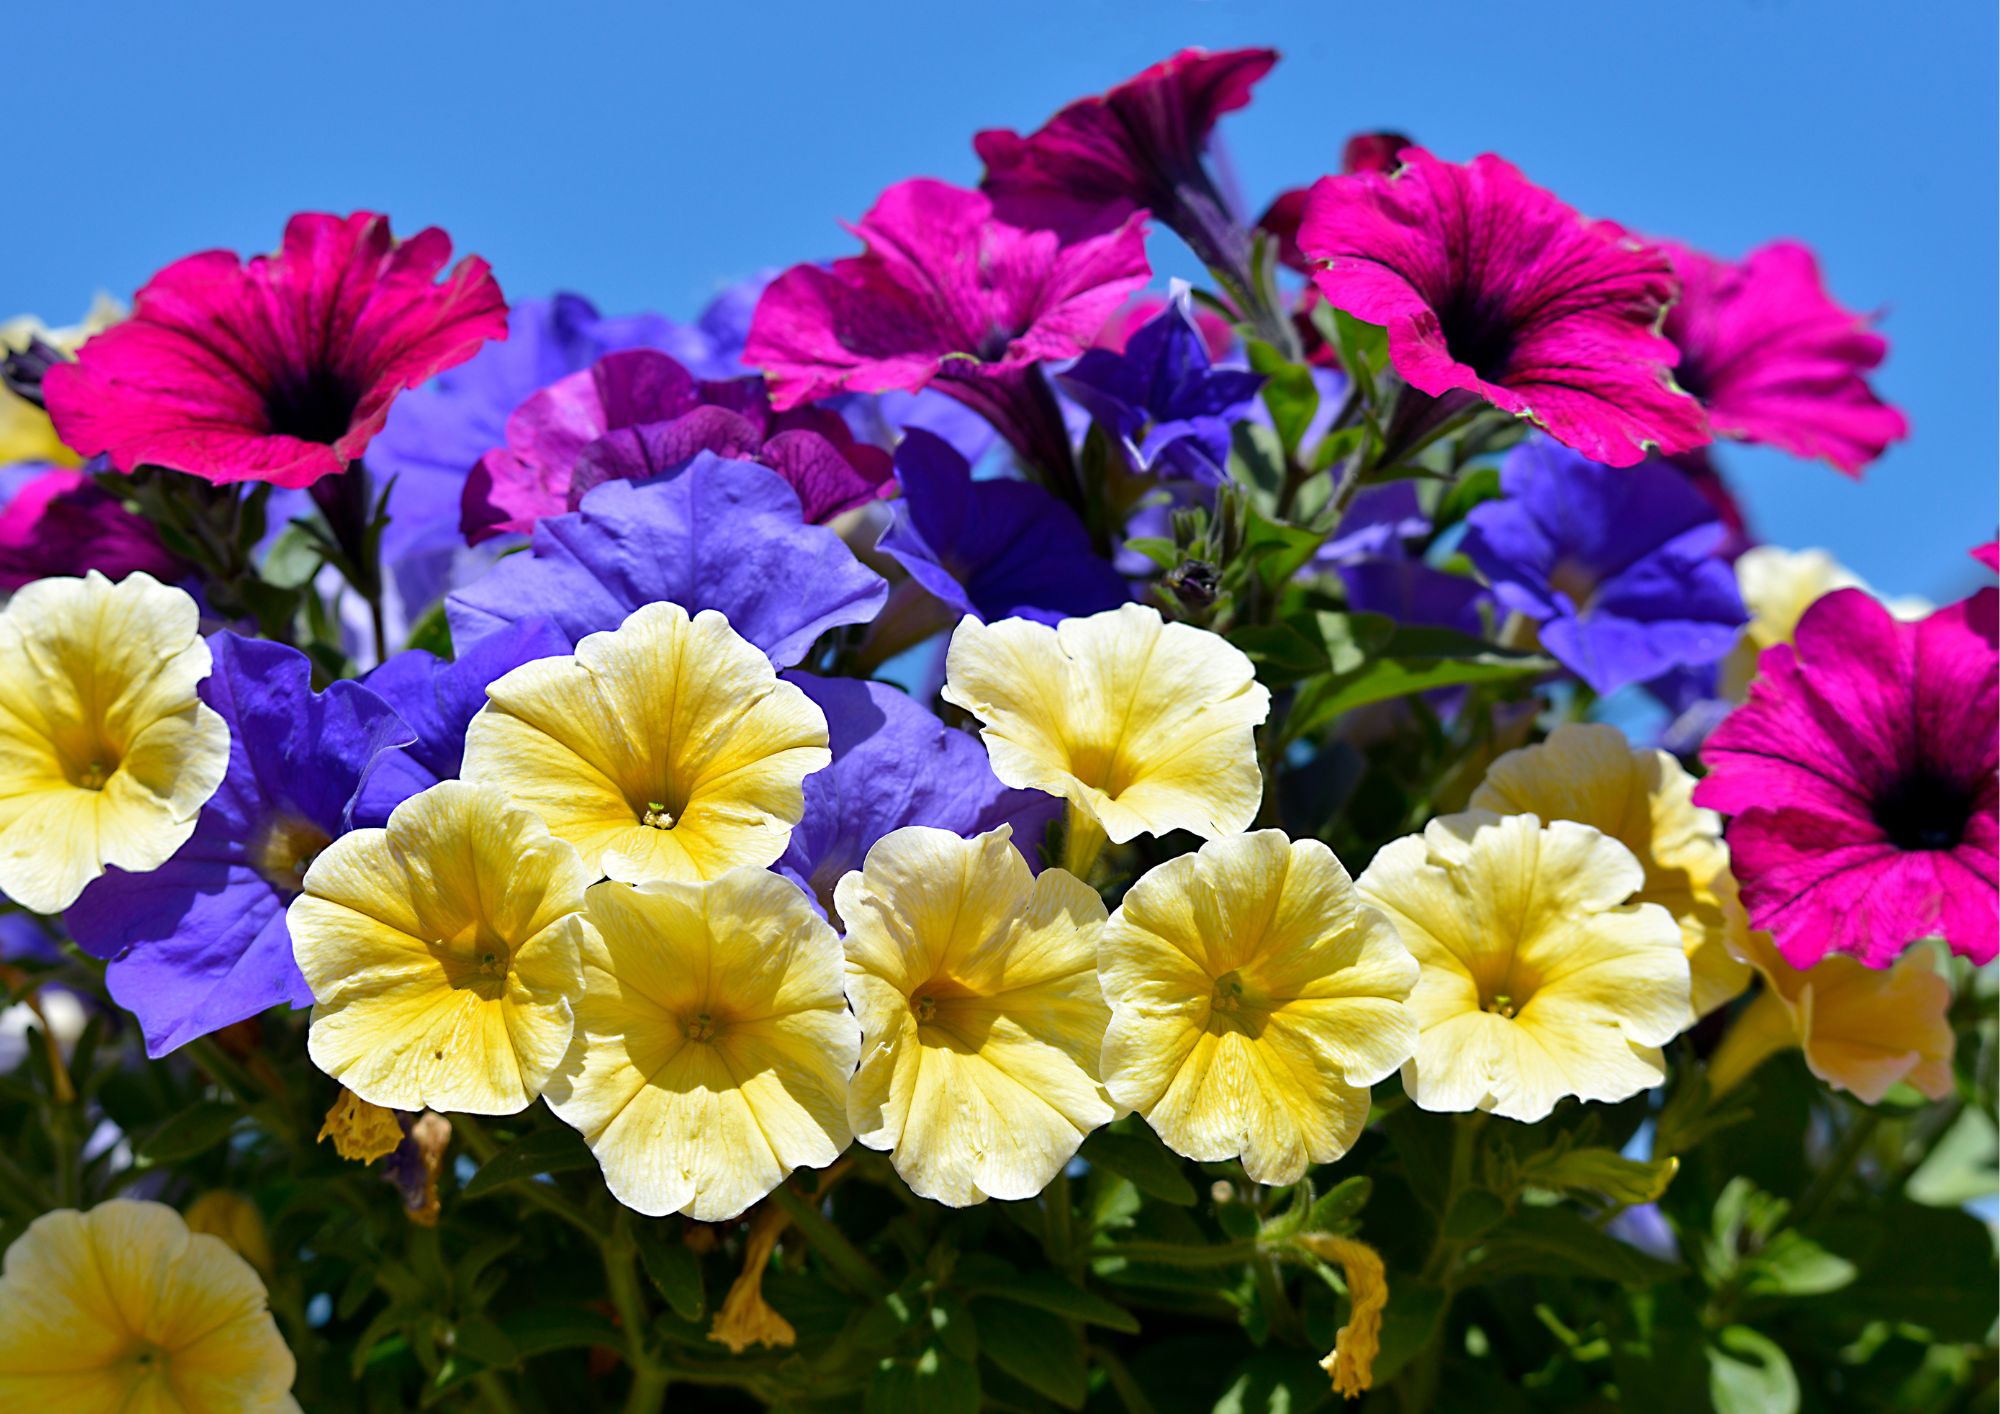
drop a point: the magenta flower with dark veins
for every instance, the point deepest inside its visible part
(1773, 359)
(279, 368)
(1491, 287)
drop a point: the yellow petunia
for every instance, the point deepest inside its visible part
(122, 1309)
(106, 753)
(235, 1219)
(1254, 999)
(1861, 1030)
(442, 954)
(1142, 725)
(1539, 979)
(666, 749)
(1644, 799)
(1778, 586)
(981, 1018)
(26, 434)
(713, 1045)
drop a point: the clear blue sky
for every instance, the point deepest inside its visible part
(643, 154)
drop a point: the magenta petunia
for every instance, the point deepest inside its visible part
(1988, 554)
(1490, 286)
(1861, 778)
(57, 522)
(279, 368)
(637, 413)
(947, 296)
(1774, 359)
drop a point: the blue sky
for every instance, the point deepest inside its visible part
(644, 154)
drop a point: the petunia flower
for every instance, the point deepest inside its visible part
(713, 1044)
(233, 1218)
(1143, 726)
(1139, 144)
(1539, 980)
(894, 764)
(636, 414)
(1861, 1030)
(1254, 999)
(200, 942)
(361, 1132)
(26, 434)
(1643, 798)
(1773, 359)
(1988, 555)
(666, 749)
(442, 954)
(1490, 286)
(1861, 782)
(123, 1308)
(976, 987)
(109, 753)
(437, 699)
(1163, 398)
(947, 295)
(1351, 1362)
(1778, 586)
(57, 521)
(1616, 566)
(995, 548)
(721, 535)
(280, 368)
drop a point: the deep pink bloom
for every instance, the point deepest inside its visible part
(1988, 555)
(639, 412)
(1775, 360)
(1218, 335)
(279, 368)
(60, 523)
(1490, 285)
(1365, 152)
(1861, 775)
(946, 294)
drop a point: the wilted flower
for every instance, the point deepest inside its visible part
(746, 1318)
(361, 1132)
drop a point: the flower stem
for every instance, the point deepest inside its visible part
(621, 1278)
(1083, 842)
(1833, 1174)
(829, 1241)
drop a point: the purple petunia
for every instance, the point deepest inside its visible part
(997, 549)
(200, 942)
(1617, 565)
(720, 535)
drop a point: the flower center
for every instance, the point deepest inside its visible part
(924, 1005)
(146, 1360)
(1501, 1004)
(702, 1026)
(1234, 1004)
(477, 960)
(284, 849)
(317, 405)
(1576, 580)
(1103, 767)
(1923, 811)
(657, 816)
(1477, 333)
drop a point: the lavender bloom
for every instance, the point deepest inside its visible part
(1163, 397)
(200, 942)
(1617, 565)
(722, 535)
(996, 549)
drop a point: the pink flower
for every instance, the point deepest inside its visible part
(638, 413)
(1775, 360)
(60, 523)
(1218, 335)
(1861, 775)
(947, 294)
(280, 368)
(1490, 285)
(1988, 555)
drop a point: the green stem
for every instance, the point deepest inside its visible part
(829, 1241)
(1121, 1380)
(1181, 1254)
(493, 1393)
(621, 1279)
(1826, 1184)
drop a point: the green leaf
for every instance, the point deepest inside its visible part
(1474, 1214)
(1276, 1382)
(671, 1265)
(540, 1329)
(1289, 393)
(1281, 652)
(1929, 1267)
(1558, 1242)
(1140, 1157)
(479, 1337)
(1480, 484)
(193, 1131)
(1276, 549)
(1164, 553)
(1749, 1374)
(1047, 1291)
(1792, 1264)
(1337, 1209)
(933, 1383)
(1040, 1350)
(1604, 1172)
(1415, 660)
(1363, 348)
(432, 633)
(557, 1149)
(1257, 459)
(294, 557)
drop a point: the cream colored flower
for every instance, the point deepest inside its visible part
(1778, 586)
(1644, 799)
(442, 953)
(122, 1309)
(713, 1045)
(1539, 979)
(666, 749)
(1143, 725)
(106, 753)
(1254, 999)
(981, 1019)
(26, 434)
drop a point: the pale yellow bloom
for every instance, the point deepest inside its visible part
(106, 753)
(1254, 999)
(235, 1219)
(122, 1309)
(1778, 586)
(1862, 1029)
(1351, 1363)
(26, 434)
(360, 1131)
(746, 1318)
(442, 953)
(981, 1019)
(713, 1045)
(1539, 979)
(1644, 799)
(1143, 725)
(666, 749)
